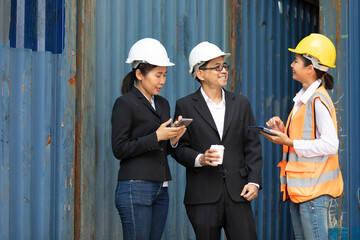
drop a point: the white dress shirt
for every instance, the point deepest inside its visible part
(326, 142)
(218, 113)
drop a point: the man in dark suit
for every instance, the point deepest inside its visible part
(218, 195)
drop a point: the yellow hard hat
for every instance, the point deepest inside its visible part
(319, 46)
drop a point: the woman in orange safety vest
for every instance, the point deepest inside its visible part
(310, 175)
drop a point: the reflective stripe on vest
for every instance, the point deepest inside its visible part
(303, 178)
(283, 180)
(307, 130)
(311, 182)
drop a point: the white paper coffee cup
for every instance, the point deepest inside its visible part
(220, 150)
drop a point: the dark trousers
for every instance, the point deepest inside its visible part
(236, 218)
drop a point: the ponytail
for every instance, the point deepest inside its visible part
(128, 82)
(328, 79)
(130, 78)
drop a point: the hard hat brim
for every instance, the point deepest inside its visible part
(191, 71)
(295, 51)
(135, 63)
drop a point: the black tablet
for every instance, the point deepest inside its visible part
(262, 129)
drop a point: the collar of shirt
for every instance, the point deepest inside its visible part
(303, 95)
(152, 99)
(209, 101)
(217, 111)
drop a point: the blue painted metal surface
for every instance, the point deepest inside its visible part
(340, 21)
(264, 31)
(58, 174)
(36, 129)
(179, 25)
(354, 129)
(37, 25)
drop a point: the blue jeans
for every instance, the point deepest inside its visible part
(310, 219)
(143, 208)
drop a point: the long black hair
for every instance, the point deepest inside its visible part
(130, 78)
(328, 79)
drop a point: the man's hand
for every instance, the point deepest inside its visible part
(249, 192)
(210, 158)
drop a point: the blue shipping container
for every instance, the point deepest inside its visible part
(62, 63)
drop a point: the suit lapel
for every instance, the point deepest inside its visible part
(158, 106)
(143, 99)
(230, 110)
(201, 106)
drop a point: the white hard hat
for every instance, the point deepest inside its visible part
(148, 50)
(202, 53)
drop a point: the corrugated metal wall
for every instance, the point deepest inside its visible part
(37, 121)
(264, 31)
(353, 52)
(58, 174)
(340, 21)
(59, 82)
(179, 25)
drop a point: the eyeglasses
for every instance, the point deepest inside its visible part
(218, 68)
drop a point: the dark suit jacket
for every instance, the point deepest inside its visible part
(134, 141)
(242, 155)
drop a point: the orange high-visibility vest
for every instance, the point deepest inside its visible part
(305, 178)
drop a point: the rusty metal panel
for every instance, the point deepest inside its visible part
(58, 174)
(340, 21)
(37, 137)
(58, 85)
(179, 25)
(262, 31)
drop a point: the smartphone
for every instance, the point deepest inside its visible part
(184, 121)
(262, 129)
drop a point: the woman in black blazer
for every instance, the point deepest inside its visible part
(140, 140)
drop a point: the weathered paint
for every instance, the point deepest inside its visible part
(58, 174)
(264, 31)
(100, 68)
(36, 138)
(340, 22)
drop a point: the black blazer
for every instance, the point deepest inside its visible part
(242, 156)
(134, 142)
